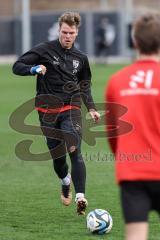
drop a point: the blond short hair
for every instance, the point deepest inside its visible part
(70, 18)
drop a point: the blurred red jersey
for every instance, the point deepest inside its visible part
(137, 152)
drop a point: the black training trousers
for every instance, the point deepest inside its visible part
(63, 132)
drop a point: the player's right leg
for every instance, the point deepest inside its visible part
(136, 204)
(136, 231)
(56, 145)
(61, 168)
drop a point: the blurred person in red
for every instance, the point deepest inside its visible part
(137, 153)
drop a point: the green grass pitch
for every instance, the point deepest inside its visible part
(30, 208)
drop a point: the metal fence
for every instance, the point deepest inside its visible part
(104, 31)
(99, 33)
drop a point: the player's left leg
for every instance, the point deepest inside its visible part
(78, 174)
(72, 124)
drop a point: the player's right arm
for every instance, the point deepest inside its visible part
(28, 64)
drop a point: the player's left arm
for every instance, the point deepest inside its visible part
(109, 120)
(85, 88)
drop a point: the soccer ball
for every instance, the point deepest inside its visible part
(99, 221)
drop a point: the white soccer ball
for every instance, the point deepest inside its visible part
(99, 221)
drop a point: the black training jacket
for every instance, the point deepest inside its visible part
(67, 78)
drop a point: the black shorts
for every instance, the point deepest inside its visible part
(138, 198)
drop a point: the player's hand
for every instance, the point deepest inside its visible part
(94, 115)
(38, 69)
